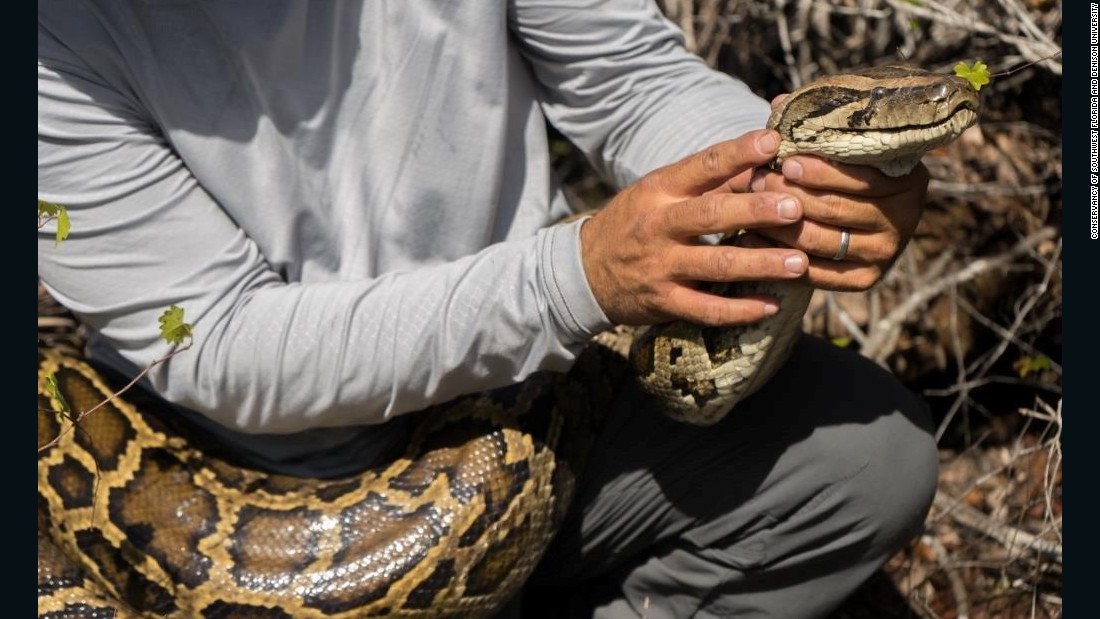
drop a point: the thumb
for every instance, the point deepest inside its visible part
(696, 174)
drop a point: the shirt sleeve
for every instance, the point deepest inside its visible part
(271, 356)
(617, 81)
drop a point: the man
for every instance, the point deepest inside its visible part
(351, 203)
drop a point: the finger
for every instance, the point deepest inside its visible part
(712, 310)
(824, 242)
(840, 209)
(717, 212)
(843, 276)
(724, 263)
(708, 169)
(737, 184)
(778, 100)
(817, 173)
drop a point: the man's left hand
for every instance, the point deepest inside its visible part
(880, 212)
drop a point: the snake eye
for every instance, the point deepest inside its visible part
(878, 92)
(940, 93)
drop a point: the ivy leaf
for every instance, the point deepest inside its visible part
(842, 342)
(172, 327)
(977, 75)
(49, 209)
(55, 393)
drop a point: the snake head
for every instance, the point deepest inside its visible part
(886, 117)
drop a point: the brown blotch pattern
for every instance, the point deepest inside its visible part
(162, 491)
(139, 592)
(380, 545)
(270, 547)
(74, 483)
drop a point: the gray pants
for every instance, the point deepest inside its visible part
(780, 510)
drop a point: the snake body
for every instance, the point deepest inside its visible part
(135, 519)
(884, 117)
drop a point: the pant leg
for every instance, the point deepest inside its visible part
(780, 510)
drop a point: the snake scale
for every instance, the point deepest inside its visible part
(135, 519)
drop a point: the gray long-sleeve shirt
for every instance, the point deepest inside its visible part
(349, 200)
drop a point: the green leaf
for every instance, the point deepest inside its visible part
(913, 2)
(842, 342)
(63, 226)
(1028, 365)
(49, 209)
(172, 327)
(977, 75)
(55, 393)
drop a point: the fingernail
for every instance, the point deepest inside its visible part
(792, 169)
(788, 209)
(795, 264)
(757, 183)
(767, 143)
(770, 309)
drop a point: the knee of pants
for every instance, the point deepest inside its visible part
(876, 421)
(891, 495)
(858, 480)
(885, 502)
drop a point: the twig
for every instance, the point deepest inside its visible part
(990, 380)
(1022, 313)
(1008, 536)
(785, 43)
(845, 319)
(958, 589)
(986, 189)
(1004, 333)
(880, 333)
(1028, 47)
(78, 418)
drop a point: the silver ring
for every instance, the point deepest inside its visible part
(845, 239)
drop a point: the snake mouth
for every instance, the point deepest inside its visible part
(964, 111)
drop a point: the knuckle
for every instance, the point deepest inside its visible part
(647, 224)
(831, 208)
(882, 251)
(710, 160)
(722, 262)
(713, 315)
(655, 182)
(763, 208)
(661, 298)
(708, 212)
(866, 278)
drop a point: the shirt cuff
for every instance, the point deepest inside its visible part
(571, 300)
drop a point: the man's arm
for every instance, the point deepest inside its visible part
(624, 56)
(272, 356)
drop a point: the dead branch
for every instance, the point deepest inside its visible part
(886, 329)
(1010, 537)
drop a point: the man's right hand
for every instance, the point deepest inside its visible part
(642, 254)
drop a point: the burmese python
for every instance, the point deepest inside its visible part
(135, 520)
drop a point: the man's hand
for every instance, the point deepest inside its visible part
(880, 212)
(642, 255)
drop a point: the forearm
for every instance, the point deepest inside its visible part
(280, 358)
